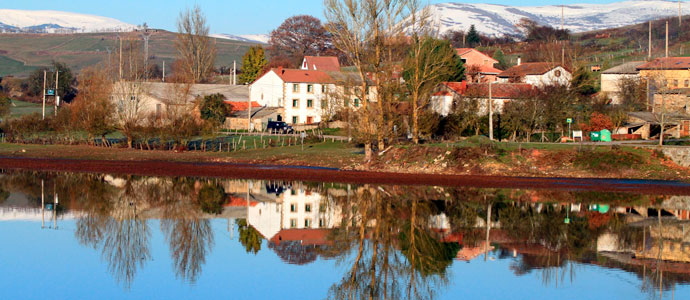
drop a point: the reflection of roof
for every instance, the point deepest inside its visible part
(626, 68)
(535, 68)
(321, 63)
(304, 236)
(667, 63)
(239, 202)
(470, 253)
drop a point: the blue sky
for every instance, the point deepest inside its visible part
(224, 16)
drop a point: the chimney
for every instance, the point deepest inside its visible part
(519, 60)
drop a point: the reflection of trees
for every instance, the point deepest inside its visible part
(249, 237)
(293, 252)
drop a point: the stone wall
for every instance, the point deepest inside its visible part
(679, 155)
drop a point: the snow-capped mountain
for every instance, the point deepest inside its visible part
(250, 38)
(14, 20)
(500, 20)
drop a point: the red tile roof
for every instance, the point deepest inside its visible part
(500, 90)
(485, 69)
(305, 236)
(536, 68)
(240, 105)
(667, 63)
(302, 76)
(457, 87)
(239, 202)
(321, 63)
(463, 51)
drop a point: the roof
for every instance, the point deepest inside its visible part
(500, 90)
(302, 76)
(653, 118)
(241, 105)
(321, 63)
(535, 68)
(259, 113)
(464, 51)
(457, 87)
(482, 69)
(626, 68)
(667, 63)
(239, 202)
(164, 90)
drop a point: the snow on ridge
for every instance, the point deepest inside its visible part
(67, 21)
(250, 38)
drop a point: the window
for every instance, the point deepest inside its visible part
(323, 104)
(664, 83)
(323, 88)
(295, 88)
(322, 208)
(133, 98)
(356, 102)
(293, 223)
(675, 82)
(310, 103)
(557, 73)
(307, 207)
(294, 121)
(310, 88)
(293, 207)
(295, 102)
(322, 222)
(687, 83)
(347, 103)
(307, 223)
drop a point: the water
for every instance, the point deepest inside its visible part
(133, 237)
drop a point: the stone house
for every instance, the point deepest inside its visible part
(611, 79)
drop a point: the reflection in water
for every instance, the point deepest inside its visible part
(392, 242)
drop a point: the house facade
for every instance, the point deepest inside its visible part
(667, 72)
(612, 78)
(479, 67)
(536, 74)
(501, 93)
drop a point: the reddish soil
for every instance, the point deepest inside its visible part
(274, 172)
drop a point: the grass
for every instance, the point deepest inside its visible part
(22, 108)
(9, 66)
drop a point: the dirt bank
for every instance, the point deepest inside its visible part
(277, 172)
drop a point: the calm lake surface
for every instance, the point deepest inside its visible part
(97, 236)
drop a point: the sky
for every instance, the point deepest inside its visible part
(223, 16)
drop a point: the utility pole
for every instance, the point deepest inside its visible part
(44, 94)
(56, 91)
(562, 17)
(680, 15)
(249, 114)
(650, 41)
(120, 62)
(146, 36)
(234, 72)
(666, 38)
(491, 114)
(163, 71)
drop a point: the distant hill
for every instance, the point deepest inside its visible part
(20, 53)
(250, 38)
(48, 21)
(500, 20)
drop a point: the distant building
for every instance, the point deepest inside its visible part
(536, 74)
(479, 67)
(611, 79)
(667, 72)
(449, 92)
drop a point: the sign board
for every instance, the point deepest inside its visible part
(569, 120)
(50, 92)
(577, 134)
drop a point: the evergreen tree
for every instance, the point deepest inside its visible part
(213, 108)
(498, 56)
(252, 64)
(473, 38)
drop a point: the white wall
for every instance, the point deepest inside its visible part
(442, 105)
(267, 90)
(610, 85)
(549, 78)
(302, 112)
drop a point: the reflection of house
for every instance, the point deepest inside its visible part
(479, 67)
(612, 78)
(537, 74)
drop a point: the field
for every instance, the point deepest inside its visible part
(21, 108)
(22, 53)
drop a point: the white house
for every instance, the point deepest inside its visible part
(537, 74)
(611, 79)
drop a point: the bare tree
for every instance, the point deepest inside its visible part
(197, 52)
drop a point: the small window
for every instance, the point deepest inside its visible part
(356, 102)
(294, 121)
(293, 223)
(307, 223)
(322, 222)
(557, 73)
(295, 88)
(307, 207)
(323, 104)
(310, 103)
(293, 207)
(322, 208)
(133, 98)
(293, 192)
(347, 103)
(323, 88)
(687, 83)
(675, 82)
(310, 88)
(664, 83)
(295, 102)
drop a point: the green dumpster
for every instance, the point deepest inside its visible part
(605, 135)
(595, 136)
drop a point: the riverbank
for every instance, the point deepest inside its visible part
(469, 158)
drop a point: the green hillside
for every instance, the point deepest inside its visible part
(22, 53)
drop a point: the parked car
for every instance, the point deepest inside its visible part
(279, 127)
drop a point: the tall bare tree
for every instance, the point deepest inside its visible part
(197, 51)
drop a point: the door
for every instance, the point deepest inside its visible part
(686, 128)
(310, 120)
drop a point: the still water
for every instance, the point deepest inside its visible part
(97, 236)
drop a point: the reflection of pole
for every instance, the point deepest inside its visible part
(43, 205)
(56, 90)
(232, 228)
(44, 94)
(488, 230)
(55, 205)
